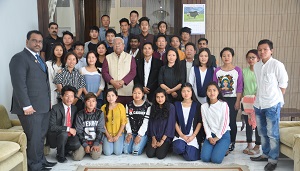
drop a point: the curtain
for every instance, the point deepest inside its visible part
(105, 6)
(51, 7)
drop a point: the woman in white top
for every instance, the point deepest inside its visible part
(54, 65)
(188, 123)
(201, 74)
(93, 77)
(215, 116)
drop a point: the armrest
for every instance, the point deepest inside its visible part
(15, 122)
(283, 124)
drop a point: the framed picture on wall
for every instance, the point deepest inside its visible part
(193, 16)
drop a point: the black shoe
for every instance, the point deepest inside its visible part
(231, 147)
(270, 167)
(259, 158)
(49, 164)
(61, 159)
(45, 169)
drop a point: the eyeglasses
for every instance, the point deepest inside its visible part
(251, 58)
(36, 41)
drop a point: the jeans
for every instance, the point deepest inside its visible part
(267, 121)
(215, 153)
(135, 149)
(113, 147)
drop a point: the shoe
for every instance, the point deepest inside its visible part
(259, 158)
(227, 152)
(45, 169)
(61, 159)
(253, 152)
(49, 164)
(270, 167)
(231, 147)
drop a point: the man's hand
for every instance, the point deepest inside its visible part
(87, 149)
(95, 148)
(29, 111)
(72, 131)
(174, 94)
(146, 90)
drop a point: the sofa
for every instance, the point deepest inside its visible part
(13, 150)
(6, 123)
(290, 141)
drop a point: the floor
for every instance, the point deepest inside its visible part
(236, 157)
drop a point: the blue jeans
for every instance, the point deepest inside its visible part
(215, 153)
(135, 149)
(267, 121)
(113, 147)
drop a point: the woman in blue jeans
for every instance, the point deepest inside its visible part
(215, 116)
(137, 112)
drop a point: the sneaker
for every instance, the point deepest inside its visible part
(231, 147)
(270, 166)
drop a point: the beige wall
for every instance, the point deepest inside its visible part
(240, 24)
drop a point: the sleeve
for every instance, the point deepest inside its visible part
(282, 76)
(161, 76)
(150, 126)
(81, 81)
(127, 127)
(170, 128)
(58, 79)
(204, 119)
(144, 126)
(240, 82)
(53, 121)
(100, 129)
(192, 76)
(215, 79)
(123, 114)
(224, 120)
(80, 129)
(132, 73)
(105, 73)
(51, 76)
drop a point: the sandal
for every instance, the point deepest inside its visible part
(246, 150)
(253, 152)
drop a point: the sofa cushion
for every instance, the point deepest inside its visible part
(16, 128)
(5, 122)
(287, 135)
(8, 149)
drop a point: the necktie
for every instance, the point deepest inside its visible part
(68, 124)
(38, 57)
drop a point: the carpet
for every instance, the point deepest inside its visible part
(177, 167)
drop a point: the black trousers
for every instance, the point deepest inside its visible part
(35, 127)
(160, 152)
(232, 115)
(63, 142)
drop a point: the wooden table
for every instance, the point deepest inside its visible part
(290, 112)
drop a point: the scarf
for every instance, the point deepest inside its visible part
(185, 128)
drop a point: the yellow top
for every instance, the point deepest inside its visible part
(181, 54)
(115, 118)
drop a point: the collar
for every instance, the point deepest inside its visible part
(33, 53)
(148, 61)
(65, 106)
(87, 112)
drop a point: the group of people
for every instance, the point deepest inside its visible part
(133, 91)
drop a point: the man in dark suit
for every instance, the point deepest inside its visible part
(31, 98)
(62, 133)
(148, 67)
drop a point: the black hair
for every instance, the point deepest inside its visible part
(68, 88)
(53, 57)
(197, 62)
(78, 43)
(266, 41)
(104, 16)
(33, 32)
(161, 35)
(134, 37)
(227, 49)
(71, 53)
(148, 43)
(68, 33)
(106, 101)
(86, 57)
(175, 36)
(134, 11)
(194, 98)
(144, 19)
(254, 51)
(124, 20)
(185, 29)
(110, 31)
(220, 95)
(190, 44)
(89, 95)
(94, 28)
(139, 86)
(176, 66)
(162, 22)
(101, 43)
(52, 23)
(201, 39)
(157, 111)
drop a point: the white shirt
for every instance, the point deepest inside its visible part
(192, 80)
(215, 118)
(135, 53)
(270, 77)
(189, 65)
(81, 63)
(147, 68)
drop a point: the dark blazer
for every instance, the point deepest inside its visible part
(57, 117)
(30, 83)
(183, 69)
(139, 55)
(128, 43)
(153, 75)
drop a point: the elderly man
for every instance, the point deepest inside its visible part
(119, 70)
